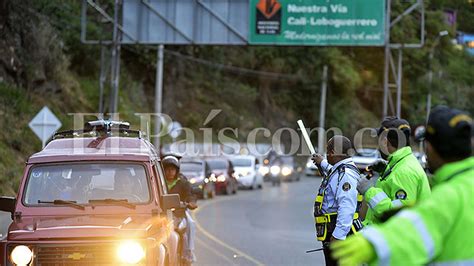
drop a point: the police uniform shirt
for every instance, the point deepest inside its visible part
(340, 195)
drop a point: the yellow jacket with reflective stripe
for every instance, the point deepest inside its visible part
(437, 230)
(406, 184)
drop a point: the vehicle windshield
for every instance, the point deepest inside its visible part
(367, 153)
(284, 160)
(83, 182)
(191, 167)
(240, 162)
(217, 164)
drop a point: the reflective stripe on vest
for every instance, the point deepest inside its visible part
(453, 263)
(380, 244)
(397, 203)
(420, 226)
(376, 199)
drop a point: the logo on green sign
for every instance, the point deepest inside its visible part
(317, 22)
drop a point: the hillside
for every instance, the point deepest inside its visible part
(43, 62)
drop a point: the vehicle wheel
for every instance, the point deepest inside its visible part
(260, 186)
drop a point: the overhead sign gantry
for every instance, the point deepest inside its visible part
(257, 22)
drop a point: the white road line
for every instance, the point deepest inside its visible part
(215, 239)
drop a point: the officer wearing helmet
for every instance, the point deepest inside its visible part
(438, 230)
(177, 183)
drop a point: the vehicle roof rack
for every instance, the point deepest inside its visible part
(100, 128)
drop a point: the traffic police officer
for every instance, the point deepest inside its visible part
(336, 206)
(438, 230)
(402, 182)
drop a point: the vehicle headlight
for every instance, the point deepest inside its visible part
(192, 180)
(130, 252)
(264, 170)
(308, 164)
(21, 255)
(221, 178)
(285, 171)
(213, 178)
(275, 170)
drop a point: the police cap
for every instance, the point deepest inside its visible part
(449, 131)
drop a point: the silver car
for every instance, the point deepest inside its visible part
(365, 157)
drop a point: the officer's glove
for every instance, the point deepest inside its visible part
(317, 159)
(363, 184)
(353, 251)
(378, 166)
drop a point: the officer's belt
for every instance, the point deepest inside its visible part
(330, 218)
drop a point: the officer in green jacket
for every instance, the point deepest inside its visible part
(438, 230)
(403, 181)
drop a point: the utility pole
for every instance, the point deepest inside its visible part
(387, 56)
(430, 73)
(102, 78)
(322, 110)
(399, 82)
(115, 70)
(158, 94)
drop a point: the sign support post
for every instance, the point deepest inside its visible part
(322, 111)
(158, 94)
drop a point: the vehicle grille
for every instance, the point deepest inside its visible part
(97, 254)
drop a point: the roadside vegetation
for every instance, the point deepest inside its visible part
(43, 62)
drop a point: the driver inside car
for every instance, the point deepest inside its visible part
(126, 186)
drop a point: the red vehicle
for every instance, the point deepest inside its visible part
(223, 174)
(92, 200)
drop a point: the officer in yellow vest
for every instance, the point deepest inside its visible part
(402, 182)
(439, 229)
(336, 205)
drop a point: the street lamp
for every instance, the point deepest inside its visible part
(430, 74)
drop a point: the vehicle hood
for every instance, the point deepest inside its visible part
(244, 169)
(218, 171)
(87, 226)
(193, 174)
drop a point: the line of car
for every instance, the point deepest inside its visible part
(221, 175)
(225, 175)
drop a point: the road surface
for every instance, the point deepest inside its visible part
(273, 226)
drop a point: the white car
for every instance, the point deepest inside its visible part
(311, 169)
(245, 167)
(365, 157)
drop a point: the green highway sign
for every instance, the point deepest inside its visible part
(317, 22)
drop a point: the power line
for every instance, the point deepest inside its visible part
(230, 68)
(240, 70)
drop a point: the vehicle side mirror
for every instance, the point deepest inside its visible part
(7, 204)
(170, 201)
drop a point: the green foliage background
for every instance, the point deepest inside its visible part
(43, 62)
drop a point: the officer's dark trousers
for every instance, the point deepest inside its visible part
(327, 255)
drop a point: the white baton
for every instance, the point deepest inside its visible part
(306, 136)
